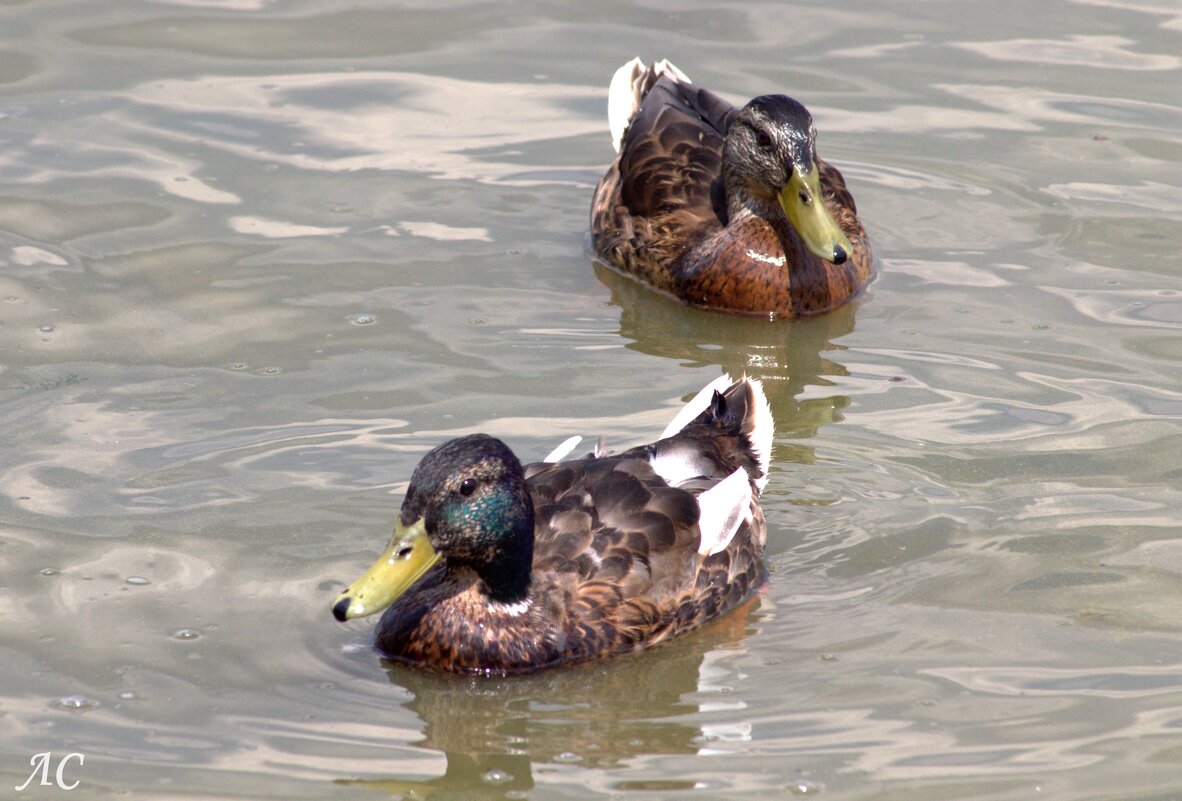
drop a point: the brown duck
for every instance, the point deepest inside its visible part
(495, 568)
(724, 208)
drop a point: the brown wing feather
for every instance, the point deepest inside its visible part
(672, 150)
(660, 195)
(645, 538)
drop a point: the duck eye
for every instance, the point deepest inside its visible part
(467, 487)
(763, 140)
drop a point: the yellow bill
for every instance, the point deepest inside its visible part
(404, 562)
(804, 206)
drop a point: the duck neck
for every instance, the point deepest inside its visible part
(743, 205)
(505, 578)
(505, 567)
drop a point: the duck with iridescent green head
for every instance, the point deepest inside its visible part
(499, 568)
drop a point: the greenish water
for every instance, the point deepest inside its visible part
(256, 257)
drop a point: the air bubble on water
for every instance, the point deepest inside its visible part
(50, 571)
(568, 756)
(803, 787)
(184, 634)
(128, 695)
(498, 776)
(138, 580)
(75, 703)
(46, 329)
(363, 319)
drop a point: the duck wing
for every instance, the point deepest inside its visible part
(671, 153)
(633, 548)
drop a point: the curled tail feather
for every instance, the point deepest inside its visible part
(628, 87)
(731, 402)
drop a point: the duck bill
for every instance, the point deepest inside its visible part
(804, 206)
(404, 562)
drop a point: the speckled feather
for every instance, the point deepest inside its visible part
(615, 563)
(660, 215)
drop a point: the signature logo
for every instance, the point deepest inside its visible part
(41, 763)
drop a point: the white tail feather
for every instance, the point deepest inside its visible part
(622, 101)
(624, 94)
(677, 465)
(763, 432)
(666, 67)
(724, 507)
(563, 450)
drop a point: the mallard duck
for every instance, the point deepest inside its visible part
(496, 568)
(724, 208)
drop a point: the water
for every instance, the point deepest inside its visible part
(258, 257)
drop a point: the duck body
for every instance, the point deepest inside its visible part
(721, 207)
(561, 562)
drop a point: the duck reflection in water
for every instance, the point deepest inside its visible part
(786, 355)
(494, 732)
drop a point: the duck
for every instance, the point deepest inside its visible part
(499, 568)
(725, 208)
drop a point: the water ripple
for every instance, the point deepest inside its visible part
(1127, 682)
(1096, 52)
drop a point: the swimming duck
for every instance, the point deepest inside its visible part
(724, 208)
(496, 568)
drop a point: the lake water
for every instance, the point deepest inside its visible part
(259, 255)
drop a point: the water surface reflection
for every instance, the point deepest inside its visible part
(495, 734)
(786, 355)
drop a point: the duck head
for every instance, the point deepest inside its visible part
(468, 507)
(770, 157)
